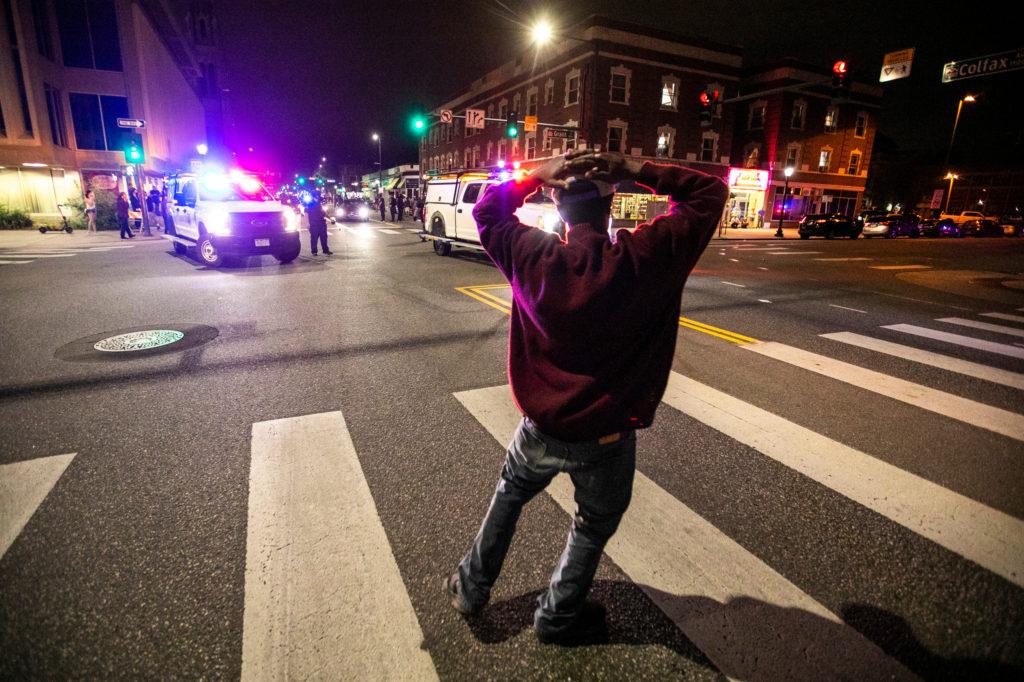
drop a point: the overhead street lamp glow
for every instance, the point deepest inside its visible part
(202, 149)
(788, 172)
(542, 32)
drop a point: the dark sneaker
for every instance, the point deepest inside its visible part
(451, 588)
(313, 252)
(588, 628)
(328, 253)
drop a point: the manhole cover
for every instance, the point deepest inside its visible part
(136, 341)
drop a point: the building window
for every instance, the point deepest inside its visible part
(501, 151)
(490, 110)
(490, 151)
(860, 129)
(572, 87)
(89, 37)
(666, 142)
(831, 119)
(752, 155)
(466, 159)
(549, 91)
(94, 118)
(824, 159)
(618, 92)
(617, 136)
(792, 155)
(3, 125)
(503, 108)
(669, 92)
(796, 121)
(755, 118)
(55, 109)
(531, 145)
(709, 147)
(516, 101)
(19, 75)
(854, 167)
(41, 22)
(531, 102)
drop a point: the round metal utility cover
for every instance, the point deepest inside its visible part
(136, 341)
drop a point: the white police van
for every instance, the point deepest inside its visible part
(218, 216)
(448, 209)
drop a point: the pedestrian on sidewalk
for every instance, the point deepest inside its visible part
(90, 212)
(133, 199)
(380, 205)
(317, 226)
(419, 209)
(392, 206)
(591, 340)
(400, 199)
(122, 216)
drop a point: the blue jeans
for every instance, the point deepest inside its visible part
(603, 478)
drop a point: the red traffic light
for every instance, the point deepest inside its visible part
(839, 68)
(704, 99)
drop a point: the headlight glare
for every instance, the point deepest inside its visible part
(291, 220)
(364, 212)
(218, 223)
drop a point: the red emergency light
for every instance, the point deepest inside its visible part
(839, 68)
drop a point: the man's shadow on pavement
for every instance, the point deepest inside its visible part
(749, 639)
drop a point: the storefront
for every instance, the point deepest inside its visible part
(38, 189)
(746, 197)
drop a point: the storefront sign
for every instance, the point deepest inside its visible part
(748, 179)
(937, 197)
(896, 65)
(983, 66)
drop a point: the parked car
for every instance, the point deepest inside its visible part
(935, 227)
(893, 225)
(827, 225)
(864, 216)
(981, 227)
(1013, 226)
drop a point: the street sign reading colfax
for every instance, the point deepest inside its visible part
(983, 66)
(896, 65)
(131, 123)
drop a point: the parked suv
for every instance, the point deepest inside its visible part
(219, 215)
(827, 225)
(893, 225)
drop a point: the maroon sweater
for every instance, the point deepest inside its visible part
(593, 326)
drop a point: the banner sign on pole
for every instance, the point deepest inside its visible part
(937, 196)
(896, 65)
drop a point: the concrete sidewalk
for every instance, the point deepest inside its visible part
(755, 233)
(20, 239)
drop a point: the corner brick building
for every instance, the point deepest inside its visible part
(636, 90)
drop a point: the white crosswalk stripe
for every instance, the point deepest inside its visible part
(959, 340)
(670, 551)
(1005, 316)
(946, 362)
(987, 417)
(29, 255)
(984, 326)
(315, 551)
(23, 487)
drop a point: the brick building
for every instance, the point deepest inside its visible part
(637, 90)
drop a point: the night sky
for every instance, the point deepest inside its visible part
(315, 78)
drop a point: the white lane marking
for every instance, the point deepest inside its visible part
(761, 248)
(761, 268)
(385, 230)
(985, 326)
(735, 260)
(900, 267)
(840, 260)
(763, 300)
(23, 487)
(733, 284)
(856, 310)
(986, 536)
(792, 253)
(1005, 316)
(958, 339)
(14, 262)
(33, 254)
(917, 300)
(926, 357)
(707, 583)
(323, 593)
(993, 419)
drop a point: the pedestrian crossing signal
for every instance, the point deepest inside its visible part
(133, 151)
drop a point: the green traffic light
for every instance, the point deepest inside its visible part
(513, 131)
(418, 124)
(302, 181)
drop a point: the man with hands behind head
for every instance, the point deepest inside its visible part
(591, 340)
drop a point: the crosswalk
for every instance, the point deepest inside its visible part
(317, 549)
(26, 255)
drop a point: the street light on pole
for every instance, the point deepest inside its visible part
(951, 177)
(380, 165)
(956, 122)
(785, 194)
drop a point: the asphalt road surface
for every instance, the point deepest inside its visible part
(832, 487)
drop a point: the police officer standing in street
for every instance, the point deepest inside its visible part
(317, 225)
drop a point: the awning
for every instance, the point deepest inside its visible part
(391, 184)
